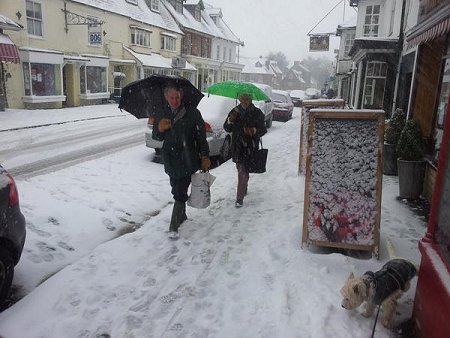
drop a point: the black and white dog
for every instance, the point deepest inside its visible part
(382, 287)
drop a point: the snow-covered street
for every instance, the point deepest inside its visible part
(97, 261)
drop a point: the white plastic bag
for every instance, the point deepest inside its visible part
(200, 196)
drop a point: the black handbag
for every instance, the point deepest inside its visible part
(256, 162)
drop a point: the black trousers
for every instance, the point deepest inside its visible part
(180, 188)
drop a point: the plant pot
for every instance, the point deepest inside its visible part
(410, 178)
(389, 159)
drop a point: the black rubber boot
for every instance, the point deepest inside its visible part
(177, 216)
(183, 216)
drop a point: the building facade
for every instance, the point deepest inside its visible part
(81, 52)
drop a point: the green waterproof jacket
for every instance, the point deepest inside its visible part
(243, 145)
(184, 143)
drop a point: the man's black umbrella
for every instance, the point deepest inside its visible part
(145, 98)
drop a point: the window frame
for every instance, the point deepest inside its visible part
(371, 79)
(347, 44)
(139, 37)
(154, 5)
(371, 18)
(167, 41)
(34, 19)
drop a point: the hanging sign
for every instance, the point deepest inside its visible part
(319, 43)
(95, 34)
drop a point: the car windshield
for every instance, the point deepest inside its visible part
(279, 97)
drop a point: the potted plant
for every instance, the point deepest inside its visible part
(410, 162)
(391, 136)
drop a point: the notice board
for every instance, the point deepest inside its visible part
(307, 106)
(343, 181)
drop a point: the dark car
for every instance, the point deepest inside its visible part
(297, 97)
(12, 231)
(282, 105)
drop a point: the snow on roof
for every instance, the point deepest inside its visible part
(186, 20)
(220, 27)
(255, 66)
(156, 60)
(139, 12)
(7, 23)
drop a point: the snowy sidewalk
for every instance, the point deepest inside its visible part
(233, 273)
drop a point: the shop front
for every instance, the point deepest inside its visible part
(42, 78)
(431, 108)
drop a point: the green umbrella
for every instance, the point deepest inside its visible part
(234, 88)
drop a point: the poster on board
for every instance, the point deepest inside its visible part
(343, 179)
(304, 117)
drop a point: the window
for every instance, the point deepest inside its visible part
(198, 14)
(177, 4)
(229, 55)
(391, 25)
(218, 53)
(154, 5)
(42, 79)
(224, 53)
(140, 37)
(371, 20)
(350, 38)
(168, 43)
(34, 18)
(375, 83)
(92, 80)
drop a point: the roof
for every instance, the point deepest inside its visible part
(255, 65)
(187, 21)
(7, 23)
(219, 27)
(373, 43)
(139, 12)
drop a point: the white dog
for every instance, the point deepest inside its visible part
(383, 288)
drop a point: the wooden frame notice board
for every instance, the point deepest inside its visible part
(343, 181)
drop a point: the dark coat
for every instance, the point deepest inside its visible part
(184, 143)
(243, 145)
(393, 276)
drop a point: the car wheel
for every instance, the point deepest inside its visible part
(225, 151)
(6, 273)
(269, 123)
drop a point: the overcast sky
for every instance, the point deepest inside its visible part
(282, 26)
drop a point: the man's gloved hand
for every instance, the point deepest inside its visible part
(206, 163)
(232, 117)
(164, 125)
(250, 131)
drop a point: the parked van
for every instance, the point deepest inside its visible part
(265, 106)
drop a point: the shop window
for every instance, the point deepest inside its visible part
(41, 79)
(92, 80)
(374, 85)
(34, 17)
(442, 107)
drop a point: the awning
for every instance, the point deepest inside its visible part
(157, 61)
(8, 50)
(431, 28)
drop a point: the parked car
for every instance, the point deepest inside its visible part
(297, 96)
(265, 106)
(312, 93)
(12, 231)
(214, 110)
(282, 105)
